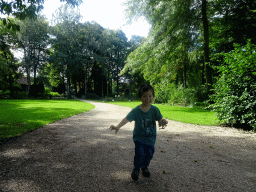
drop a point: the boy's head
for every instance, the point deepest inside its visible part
(145, 88)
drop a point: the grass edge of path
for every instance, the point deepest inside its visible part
(181, 114)
(38, 114)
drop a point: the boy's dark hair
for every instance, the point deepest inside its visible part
(144, 88)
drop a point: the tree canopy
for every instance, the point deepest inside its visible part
(185, 47)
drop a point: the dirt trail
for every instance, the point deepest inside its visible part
(81, 154)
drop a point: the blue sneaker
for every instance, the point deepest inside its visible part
(145, 172)
(135, 174)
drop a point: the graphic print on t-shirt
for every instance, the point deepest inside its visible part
(148, 125)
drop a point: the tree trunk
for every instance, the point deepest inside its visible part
(208, 74)
(185, 70)
(117, 78)
(226, 24)
(69, 85)
(35, 67)
(28, 79)
(68, 82)
(85, 81)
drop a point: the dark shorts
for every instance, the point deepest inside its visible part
(143, 154)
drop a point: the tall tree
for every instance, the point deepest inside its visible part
(8, 65)
(33, 39)
(117, 49)
(133, 73)
(66, 43)
(22, 10)
(170, 39)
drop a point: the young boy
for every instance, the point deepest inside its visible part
(144, 133)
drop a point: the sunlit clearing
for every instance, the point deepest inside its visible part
(121, 175)
(14, 152)
(19, 185)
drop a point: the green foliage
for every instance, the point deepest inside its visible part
(171, 54)
(162, 92)
(178, 95)
(21, 95)
(176, 49)
(181, 96)
(33, 40)
(54, 94)
(92, 96)
(8, 64)
(4, 94)
(27, 9)
(235, 90)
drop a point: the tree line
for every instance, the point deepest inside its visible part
(69, 56)
(199, 50)
(186, 40)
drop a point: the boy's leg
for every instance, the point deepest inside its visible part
(140, 155)
(149, 152)
(138, 160)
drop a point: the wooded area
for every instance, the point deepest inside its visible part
(69, 57)
(193, 52)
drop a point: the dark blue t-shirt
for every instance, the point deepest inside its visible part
(145, 124)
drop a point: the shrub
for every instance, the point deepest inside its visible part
(21, 95)
(235, 91)
(181, 96)
(91, 96)
(4, 94)
(162, 92)
(54, 94)
(177, 95)
(201, 94)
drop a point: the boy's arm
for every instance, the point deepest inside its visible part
(122, 123)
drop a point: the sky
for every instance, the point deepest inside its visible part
(108, 13)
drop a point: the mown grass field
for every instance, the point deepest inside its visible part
(20, 116)
(182, 114)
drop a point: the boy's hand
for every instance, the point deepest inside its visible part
(112, 127)
(162, 123)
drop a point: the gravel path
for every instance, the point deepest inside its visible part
(81, 154)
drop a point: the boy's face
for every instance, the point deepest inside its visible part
(147, 97)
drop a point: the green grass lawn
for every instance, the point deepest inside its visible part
(20, 116)
(182, 114)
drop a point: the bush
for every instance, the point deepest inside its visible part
(21, 95)
(235, 91)
(183, 97)
(91, 96)
(4, 94)
(162, 92)
(201, 93)
(54, 94)
(177, 95)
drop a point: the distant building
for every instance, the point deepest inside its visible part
(23, 81)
